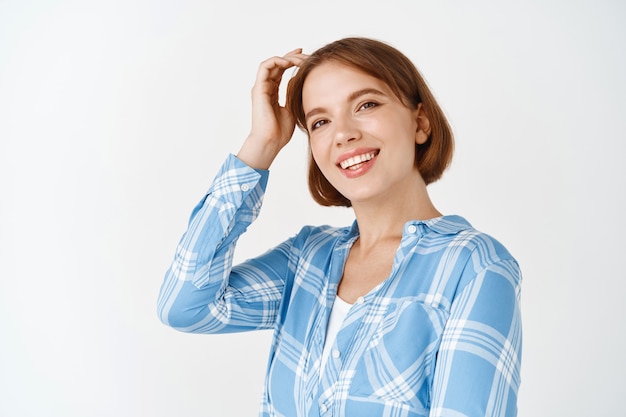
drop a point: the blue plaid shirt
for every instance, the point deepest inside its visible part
(441, 336)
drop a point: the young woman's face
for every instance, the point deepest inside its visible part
(361, 135)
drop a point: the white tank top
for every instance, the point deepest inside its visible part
(337, 315)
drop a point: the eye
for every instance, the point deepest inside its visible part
(318, 123)
(368, 105)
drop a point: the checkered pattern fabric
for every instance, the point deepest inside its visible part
(441, 336)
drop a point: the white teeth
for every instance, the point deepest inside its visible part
(355, 160)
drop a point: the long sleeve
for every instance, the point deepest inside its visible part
(202, 292)
(478, 365)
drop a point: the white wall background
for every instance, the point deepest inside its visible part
(115, 115)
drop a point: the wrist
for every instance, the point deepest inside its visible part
(258, 154)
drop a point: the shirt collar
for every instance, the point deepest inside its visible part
(444, 225)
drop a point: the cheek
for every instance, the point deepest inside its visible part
(322, 160)
(319, 153)
(314, 154)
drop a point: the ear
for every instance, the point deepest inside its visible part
(422, 132)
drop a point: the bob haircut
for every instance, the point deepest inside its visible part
(389, 65)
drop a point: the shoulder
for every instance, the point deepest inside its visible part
(490, 265)
(315, 236)
(473, 251)
(457, 232)
(313, 247)
(485, 248)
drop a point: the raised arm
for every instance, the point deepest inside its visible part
(201, 291)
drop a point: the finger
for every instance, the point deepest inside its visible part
(295, 51)
(276, 62)
(295, 57)
(297, 60)
(273, 68)
(291, 58)
(271, 71)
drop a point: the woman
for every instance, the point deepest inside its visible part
(405, 313)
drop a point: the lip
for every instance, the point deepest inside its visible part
(363, 168)
(355, 152)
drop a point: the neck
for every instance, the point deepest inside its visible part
(384, 220)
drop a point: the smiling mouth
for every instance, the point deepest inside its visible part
(357, 161)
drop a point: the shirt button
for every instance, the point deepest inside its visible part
(245, 187)
(360, 300)
(411, 229)
(336, 354)
(323, 408)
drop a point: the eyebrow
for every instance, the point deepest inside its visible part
(353, 96)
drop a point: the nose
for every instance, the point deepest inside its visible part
(346, 131)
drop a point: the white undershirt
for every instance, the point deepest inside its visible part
(337, 315)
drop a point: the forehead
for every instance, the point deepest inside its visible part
(337, 81)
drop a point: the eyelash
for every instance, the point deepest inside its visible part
(318, 124)
(363, 106)
(367, 105)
